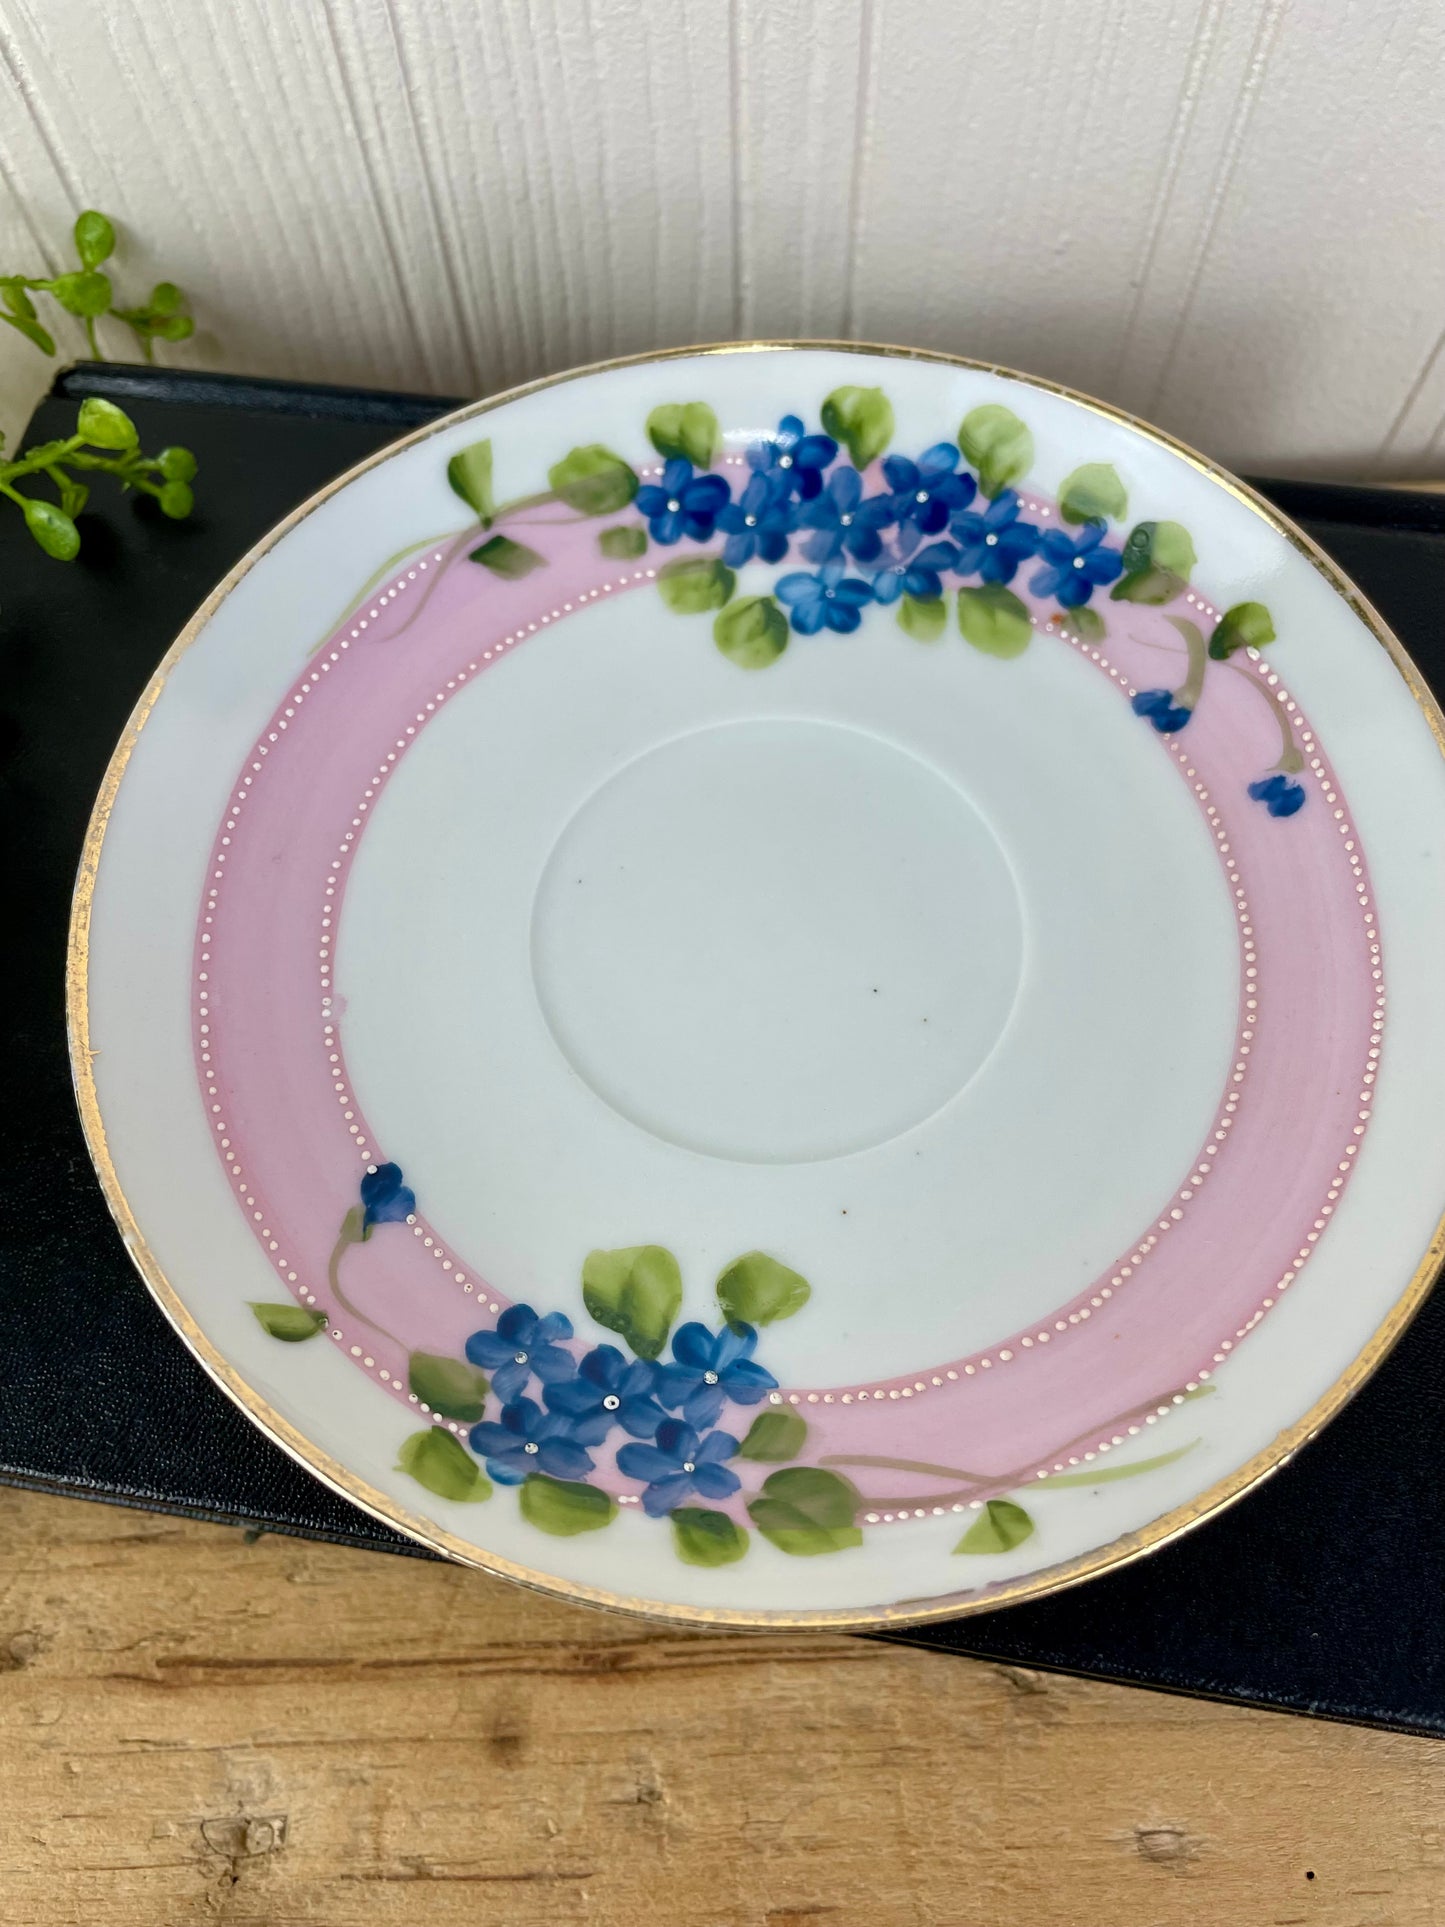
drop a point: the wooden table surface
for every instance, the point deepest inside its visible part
(195, 1728)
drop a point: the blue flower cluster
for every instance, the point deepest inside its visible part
(584, 1400)
(790, 491)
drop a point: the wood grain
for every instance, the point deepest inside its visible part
(1218, 213)
(194, 1728)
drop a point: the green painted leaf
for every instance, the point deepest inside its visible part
(506, 558)
(636, 1291)
(565, 1507)
(104, 425)
(434, 1459)
(684, 428)
(1093, 493)
(593, 480)
(1000, 1527)
(1151, 586)
(997, 444)
(1085, 623)
(176, 500)
(1246, 626)
(354, 1228)
(805, 1510)
(32, 331)
(1107, 1474)
(450, 1386)
(623, 544)
(94, 238)
(923, 620)
(993, 619)
(695, 584)
(470, 474)
(52, 529)
(860, 418)
(288, 1322)
(1158, 557)
(756, 1290)
(86, 293)
(177, 464)
(752, 633)
(703, 1538)
(774, 1437)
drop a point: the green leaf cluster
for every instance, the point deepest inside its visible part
(105, 440)
(88, 293)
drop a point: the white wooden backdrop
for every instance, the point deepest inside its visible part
(1223, 214)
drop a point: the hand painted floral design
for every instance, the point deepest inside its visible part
(842, 520)
(1074, 566)
(927, 492)
(680, 1463)
(523, 1345)
(831, 599)
(1162, 708)
(992, 545)
(794, 457)
(1280, 794)
(709, 1368)
(911, 570)
(384, 1198)
(759, 523)
(682, 504)
(607, 1391)
(526, 1440)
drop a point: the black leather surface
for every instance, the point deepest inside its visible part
(1322, 1592)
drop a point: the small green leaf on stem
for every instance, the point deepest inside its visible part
(176, 500)
(695, 584)
(86, 293)
(177, 464)
(94, 238)
(775, 1437)
(684, 428)
(52, 529)
(470, 474)
(435, 1460)
(593, 480)
(292, 1324)
(704, 1538)
(104, 425)
(506, 558)
(752, 633)
(1000, 1527)
(623, 544)
(860, 418)
(757, 1290)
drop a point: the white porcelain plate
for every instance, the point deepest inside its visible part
(783, 1018)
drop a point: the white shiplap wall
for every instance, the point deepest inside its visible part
(1223, 214)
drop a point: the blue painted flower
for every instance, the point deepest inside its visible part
(1280, 795)
(607, 1391)
(528, 1440)
(843, 520)
(758, 523)
(1163, 709)
(824, 600)
(993, 544)
(678, 1464)
(708, 1368)
(927, 491)
(1074, 566)
(795, 458)
(522, 1344)
(385, 1199)
(682, 503)
(911, 570)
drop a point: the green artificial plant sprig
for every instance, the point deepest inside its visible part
(106, 439)
(88, 294)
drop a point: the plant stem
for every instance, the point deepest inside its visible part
(333, 1278)
(90, 336)
(1291, 756)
